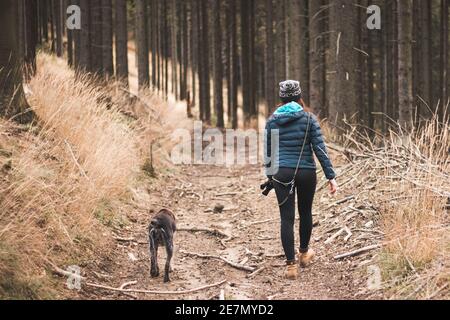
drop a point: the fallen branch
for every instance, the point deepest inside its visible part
(63, 272)
(214, 232)
(334, 236)
(126, 284)
(94, 285)
(258, 222)
(357, 252)
(231, 263)
(254, 273)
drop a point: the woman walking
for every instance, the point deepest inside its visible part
(291, 170)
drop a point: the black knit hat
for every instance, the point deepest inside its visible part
(290, 88)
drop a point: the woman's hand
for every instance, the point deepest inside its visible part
(333, 186)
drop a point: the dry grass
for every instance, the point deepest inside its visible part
(406, 177)
(416, 254)
(63, 182)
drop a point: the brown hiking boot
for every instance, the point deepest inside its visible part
(305, 259)
(292, 271)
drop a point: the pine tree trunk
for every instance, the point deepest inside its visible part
(246, 60)
(107, 38)
(280, 41)
(121, 41)
(58, 27)
(343, 61)
(85, 42)
(234, 64)
(44, 20)
(141, 43)
(96, 36)
(185, 51)
(204, 58)
(444, 82)
(193, 49)
(317, 58)
(270, 60)
(405, 32)
(12, 99)
(30, 35)
(303, 52)
(218, 69)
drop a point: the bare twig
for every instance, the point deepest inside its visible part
(232, 264)
(357, 252)
(94, 285)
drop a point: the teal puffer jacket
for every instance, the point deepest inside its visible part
(291, 130)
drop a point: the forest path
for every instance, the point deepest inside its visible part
(252, 222)
(250, 219)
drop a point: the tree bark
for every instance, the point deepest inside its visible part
(317, 58)
(444, 82)
(12, 99)
(205, 104)
(405, 33)
(85, 36)
(96, 37)
(58, 27)
(343, 61)
(141, 43)
(218, 69)
(121, 41)
(107, 38)
(270, 60)
(234, 64)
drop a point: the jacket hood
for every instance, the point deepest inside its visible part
(287, 113)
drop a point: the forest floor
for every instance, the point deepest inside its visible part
(245, 232)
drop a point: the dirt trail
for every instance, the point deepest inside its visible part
(252, 221)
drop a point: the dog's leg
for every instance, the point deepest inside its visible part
(168, 243)
(154, 269)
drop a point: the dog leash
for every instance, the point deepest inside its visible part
(292, 182)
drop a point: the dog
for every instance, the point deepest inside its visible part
(160, 234)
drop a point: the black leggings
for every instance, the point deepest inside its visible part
(305, 184)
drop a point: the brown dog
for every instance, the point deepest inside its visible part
(160, 233)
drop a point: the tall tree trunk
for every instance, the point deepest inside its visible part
(141, 43)
(96, 37)
(270, 60)
(121, 32)
(58, 27)
(166, 49)
(52, 24)
(185, 50)
(246, 60)
(173, 48)
(44, 15)
(426, 65)
(218, 69)
(343, 61)
(303, 58)
(12, 98)
(85, 36)
(30, 35)
(444, 82)
(405, 33)
(280, 40)
(317, 57)
(234, 64)
(193, 49)
(107, 38)
(204, 58)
